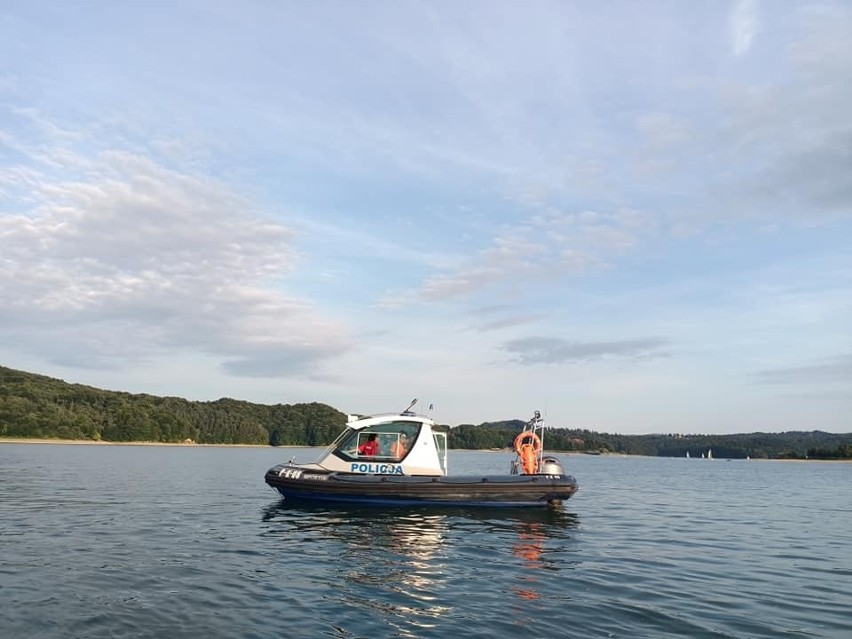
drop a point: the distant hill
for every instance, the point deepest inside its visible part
(790, 445)
(42, 407)
(35, 406)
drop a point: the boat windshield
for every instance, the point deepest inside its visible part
(387, 441)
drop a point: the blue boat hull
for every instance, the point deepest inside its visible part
(293, 482)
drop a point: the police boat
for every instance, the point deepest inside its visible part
(401, 459)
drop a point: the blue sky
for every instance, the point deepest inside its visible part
(633, 216)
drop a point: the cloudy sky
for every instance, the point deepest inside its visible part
(632, 216)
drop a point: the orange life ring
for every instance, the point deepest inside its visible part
(536, 441)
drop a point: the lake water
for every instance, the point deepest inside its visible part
(135, 541)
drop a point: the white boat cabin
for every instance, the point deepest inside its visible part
(391, 444)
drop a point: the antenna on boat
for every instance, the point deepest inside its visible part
(410, 406)
(538, 421)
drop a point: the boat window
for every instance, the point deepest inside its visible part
(441, 447)
(388, 441)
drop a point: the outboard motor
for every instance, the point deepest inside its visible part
(550, 466)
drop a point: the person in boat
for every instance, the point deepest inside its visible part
(399, 447)
(369, 448)
(528, 459)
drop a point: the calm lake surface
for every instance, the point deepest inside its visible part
(135, 541)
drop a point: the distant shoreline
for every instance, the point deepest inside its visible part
(90, 442)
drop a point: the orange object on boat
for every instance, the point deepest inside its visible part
(528, 446)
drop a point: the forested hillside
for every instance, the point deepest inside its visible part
(37, 406)
(42, 407)
(789, 445)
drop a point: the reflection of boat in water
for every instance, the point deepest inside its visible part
(401, 459)
(529, 549)
(407, 567)
(416, 532)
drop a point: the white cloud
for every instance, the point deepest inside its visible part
(663, 129)
(836, 370)
(133, 260)
(744, 25)
(550, 243)
(553, 350)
